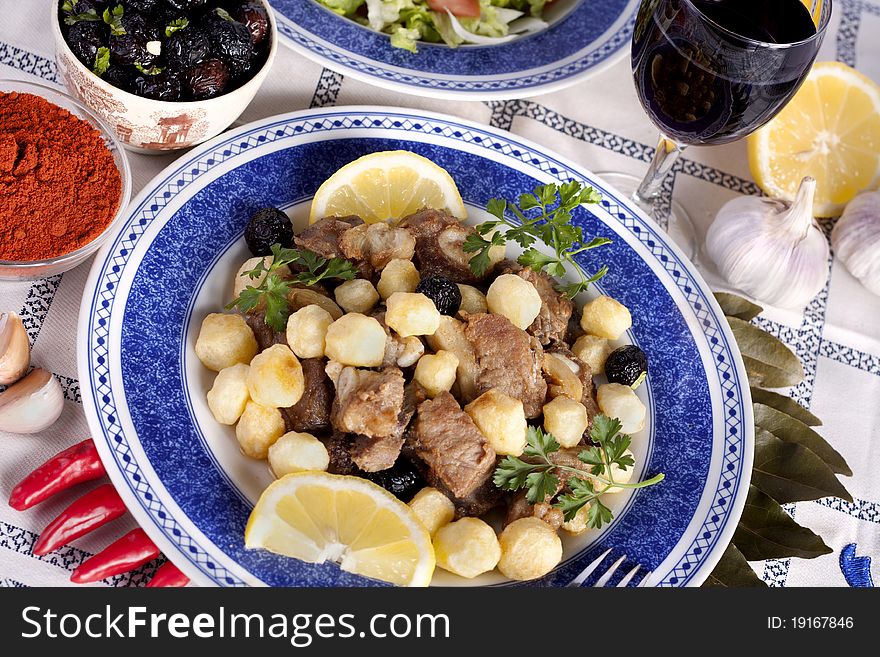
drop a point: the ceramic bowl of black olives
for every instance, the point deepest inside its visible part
(164, 74)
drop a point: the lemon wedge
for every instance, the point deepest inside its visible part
(318, 517)
(831, 131)
(387, 186)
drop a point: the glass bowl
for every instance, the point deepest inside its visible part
(36, 269)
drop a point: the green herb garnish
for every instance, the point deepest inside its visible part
(102, 61)
(222, 13)
(113, 18)
(148, 70)
(175, 26)
(68, 7)
(273, 289)
(539, 475)
(551, 206)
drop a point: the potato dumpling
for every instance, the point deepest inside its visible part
(229, 394)
(619, 476)
(472, 300)
(620, 401)
(467, 547)
(276, 377)
(606, 318)
(432, 508)
(297, 452)
(411, 313)
(566, 419)
(501, 419)
(225, 340)
(593, 350)
(436, 372)
(398, 276)
(356, 340)
(242, 280)
(357, 296)
(530, 548)
(515, 298)
(306, 331)
(258, 428)
(578, 525)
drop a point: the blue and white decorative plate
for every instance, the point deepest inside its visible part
(583, 37)
(182, 475)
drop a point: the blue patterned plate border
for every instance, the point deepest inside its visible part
(587, 37)
(137, 307)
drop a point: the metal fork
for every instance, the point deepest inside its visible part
(606, 577)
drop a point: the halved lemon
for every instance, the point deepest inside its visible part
(831, 131)
(318, 517)
(387, 186)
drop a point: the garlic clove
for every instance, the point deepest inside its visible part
(15, 349)
(32, 404)
(769, 249)
(856, 239)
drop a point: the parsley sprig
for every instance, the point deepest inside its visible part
(273, 288)
(72, 16)
(550, 207)
(539, 475)
(113, 18)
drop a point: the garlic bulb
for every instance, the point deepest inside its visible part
(32, 404)
(770, 249)
(15, 349)
(856, 239)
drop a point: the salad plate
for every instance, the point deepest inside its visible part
(182, 475)
(582, 38)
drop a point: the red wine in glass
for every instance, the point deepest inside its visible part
(713, 71)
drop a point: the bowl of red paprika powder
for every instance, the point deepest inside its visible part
(64, 182)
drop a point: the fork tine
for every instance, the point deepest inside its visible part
(577, 581)
(602, 581)
(644, 582)
(628, 577)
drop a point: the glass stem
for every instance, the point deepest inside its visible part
(664, 157)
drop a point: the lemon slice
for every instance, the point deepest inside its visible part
(831, 131)
(318, 517)
(387, 186)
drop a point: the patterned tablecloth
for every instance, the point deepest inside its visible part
(597, 123)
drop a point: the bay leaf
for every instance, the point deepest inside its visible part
(769, 362)
(791, 430)
(785, 404)
(734, 305)
(733, 571)
(766, 531)
(789, 472)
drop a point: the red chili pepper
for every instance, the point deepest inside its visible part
(167, 576)
(132, 550)
(86, 514)
(72, 466)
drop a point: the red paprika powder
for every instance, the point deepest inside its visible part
(59, 185)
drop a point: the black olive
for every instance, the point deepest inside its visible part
(266, 227)
(84, 39)
(445, 294)
(231, 42)
(161, 86)
(143, 6)
(402, 479)
(138, 44)
(206, 79)
(187, 47)
(626, 365)
(254, 16)
(187, 5)
(120, 77)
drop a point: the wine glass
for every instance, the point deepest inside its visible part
(713, 71)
